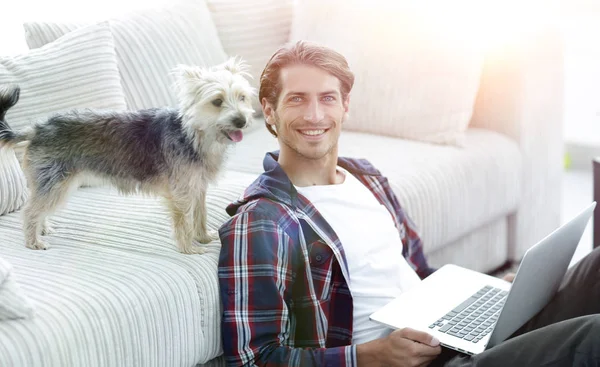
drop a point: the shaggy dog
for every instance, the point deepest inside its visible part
(173, 153)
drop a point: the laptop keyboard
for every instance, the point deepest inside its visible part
(475, 318)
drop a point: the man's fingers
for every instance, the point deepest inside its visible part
(425, 350)
(419, 336)
(509, 277)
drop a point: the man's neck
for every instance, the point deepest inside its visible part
(309, 172)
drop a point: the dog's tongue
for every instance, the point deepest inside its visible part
(236, 136)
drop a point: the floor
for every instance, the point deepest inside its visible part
(577, 194)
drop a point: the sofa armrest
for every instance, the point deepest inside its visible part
(521, 95)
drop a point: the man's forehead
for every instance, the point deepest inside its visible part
(306, 79)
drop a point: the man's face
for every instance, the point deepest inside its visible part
(309, 113)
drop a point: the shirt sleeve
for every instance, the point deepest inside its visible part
(255, 277)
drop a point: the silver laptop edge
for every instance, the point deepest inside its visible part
(539, 275)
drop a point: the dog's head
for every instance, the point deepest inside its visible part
(216, 100)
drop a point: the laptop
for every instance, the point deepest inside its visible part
(470, 311)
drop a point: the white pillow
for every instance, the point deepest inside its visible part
(417, 72)
(253, 30)
(13, 186)
(149, 43)
(77, 71)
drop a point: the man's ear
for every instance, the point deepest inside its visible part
(267, 111)
(346, 104)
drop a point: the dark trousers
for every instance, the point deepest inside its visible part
(565, 333)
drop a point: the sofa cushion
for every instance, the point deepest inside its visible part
(78, 71)
(113, 287)
(253, 30)
(417, 73)
(149, 44)
(448, 191)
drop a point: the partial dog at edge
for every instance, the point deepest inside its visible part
(173, 153)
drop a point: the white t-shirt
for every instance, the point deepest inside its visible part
(378, 271)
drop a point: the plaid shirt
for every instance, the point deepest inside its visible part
(283, 274)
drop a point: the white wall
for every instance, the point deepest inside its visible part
(581, 25)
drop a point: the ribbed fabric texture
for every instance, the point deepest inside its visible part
(13, 186)
(149, 44)
(253, 30)
(78, 71)
(416, 72)
(113, 290)
(13, 302)
(448, 191)
(39, 34)
(483, 249)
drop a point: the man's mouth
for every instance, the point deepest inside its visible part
(313, 132)
(234, 135)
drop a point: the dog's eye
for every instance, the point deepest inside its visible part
(217, 102)
(242, 98)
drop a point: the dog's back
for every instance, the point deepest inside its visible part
(122, 146)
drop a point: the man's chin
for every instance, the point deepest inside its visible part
(314, 155)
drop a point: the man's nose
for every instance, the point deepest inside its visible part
(314, 112)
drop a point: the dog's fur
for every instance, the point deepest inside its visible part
(174, 153)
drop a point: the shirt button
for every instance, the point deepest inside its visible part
(319, 257)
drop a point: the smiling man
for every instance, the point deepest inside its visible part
(319, 242)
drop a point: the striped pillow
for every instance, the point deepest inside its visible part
(149, 43)
(13, 187)
(39, 34)
(77, 71)
(253, 30)
(416, 72)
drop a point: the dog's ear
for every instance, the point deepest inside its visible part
(188, 72)
(9, 96)
(236, 65)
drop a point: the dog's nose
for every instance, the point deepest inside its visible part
(239, 122)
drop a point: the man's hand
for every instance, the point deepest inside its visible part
(403, 347)
(509, 277)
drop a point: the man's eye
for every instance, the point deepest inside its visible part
(217, 102)
(328, 98)
(296, 99)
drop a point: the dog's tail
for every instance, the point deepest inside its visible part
(9, 96)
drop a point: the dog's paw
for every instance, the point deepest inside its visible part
(39, 245)
(47, 229)
(208, 237)
(194, 250)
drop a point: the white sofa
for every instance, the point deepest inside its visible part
(113, 290)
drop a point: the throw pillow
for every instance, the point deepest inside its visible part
(77, 71)
(149, 43)
(416, 72)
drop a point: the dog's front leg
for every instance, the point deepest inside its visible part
(182, 213)
(201, 232)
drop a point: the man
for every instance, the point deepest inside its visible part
(319, 242)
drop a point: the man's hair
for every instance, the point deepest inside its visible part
(303, 53)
